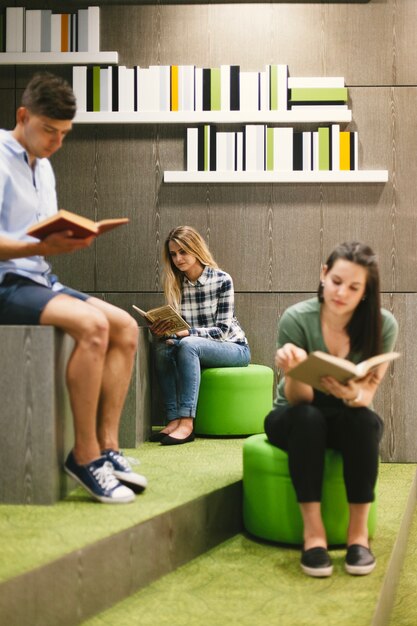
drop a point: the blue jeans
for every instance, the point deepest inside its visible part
(179, 369)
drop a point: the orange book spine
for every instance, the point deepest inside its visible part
(64, 32)
(345, 150)
(174, 87)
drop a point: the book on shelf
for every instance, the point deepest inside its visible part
(348, 150)
(320, 364)
(249, 83)
(174, 88)
(192, 150)
(215, 89)
(15, 29)
(165, 313)
(324, 149)
(283, 149)
(186, 88)
(278, 85)
(80, 226)
(255, 147)
(313, 95)
(307, 151)
(206, 88)
(314, 82)
(55, 32)
(297, 151)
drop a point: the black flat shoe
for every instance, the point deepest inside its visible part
(316, 562)
(157, 436)
(173, 441)
(359, 560)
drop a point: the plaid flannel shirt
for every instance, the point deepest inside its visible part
(208, 306)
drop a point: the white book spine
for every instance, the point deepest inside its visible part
(164, 87)
(33, 30)
(239, 151)
(198, 88)
(93, 29)
(225, 87)
(192, 149)
(307, 151)
(154, 77)
(56, 32)
(79, 86)
(186, 87)
(315, 82)
(82, 30)
(316, 151)
(264, 95)
(221, 151)
(260, 148)
(251, 148)
(104, 93)
(15, 29)
(329, 108)
(230, 151)
(146, 90)
(335, 143)
(249, 91)
(282, 87)
(283, 149)
(127, 91)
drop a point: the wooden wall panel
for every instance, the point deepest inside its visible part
(405, 43)
(7, 108)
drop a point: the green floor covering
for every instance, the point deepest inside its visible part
(31, 536)
(405, 607)
(244, 582)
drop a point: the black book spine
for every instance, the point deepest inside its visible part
(115, 88)
(259, 91)
(297, 151)
(331, 148)
(352, 150)
(234, 88)
(213, 134)
(235, 151)
(244, 149)
(90, 106)
(200, 144)
(135, 88)
(206, 89)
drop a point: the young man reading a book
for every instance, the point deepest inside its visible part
(345, 320)
(101, 363)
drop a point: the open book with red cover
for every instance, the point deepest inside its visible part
(319, 364)
(81, 227)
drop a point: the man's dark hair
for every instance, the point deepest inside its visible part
(51, 96)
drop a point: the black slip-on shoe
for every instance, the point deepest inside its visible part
(316, 562)
(359, 560)
(168, 440)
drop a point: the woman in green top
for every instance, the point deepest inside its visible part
(346, 320)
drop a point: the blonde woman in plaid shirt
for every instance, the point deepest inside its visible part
(203, 294)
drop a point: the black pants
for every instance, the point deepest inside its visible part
(305, 431)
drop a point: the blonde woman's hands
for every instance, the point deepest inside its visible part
(289, 356)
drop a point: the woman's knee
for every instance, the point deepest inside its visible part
(362, 421)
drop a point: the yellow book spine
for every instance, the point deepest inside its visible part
(345, 150)
(174, 87)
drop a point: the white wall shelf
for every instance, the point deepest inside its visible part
(357, 176)
(214, 117)
(58, 58)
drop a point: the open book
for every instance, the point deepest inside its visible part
(81, 227)
(319, 364)
(164, 313)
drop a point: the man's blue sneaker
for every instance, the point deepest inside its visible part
(123, 471)
(99, 480)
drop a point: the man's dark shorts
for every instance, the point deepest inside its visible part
(22, 300)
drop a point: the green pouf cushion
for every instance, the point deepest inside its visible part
(234, 400)
(270, 508)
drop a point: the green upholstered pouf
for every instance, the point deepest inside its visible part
(234, 400)
(270, 508)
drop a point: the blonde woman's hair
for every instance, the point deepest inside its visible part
(193, 243)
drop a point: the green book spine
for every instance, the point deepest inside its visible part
(327, 94)
(324, 152)
(206, 148)
(273, 88)
(96, 88)
(215, 89)
(270, 149)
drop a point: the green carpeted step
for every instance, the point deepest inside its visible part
(405, 606)
(245, 582)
